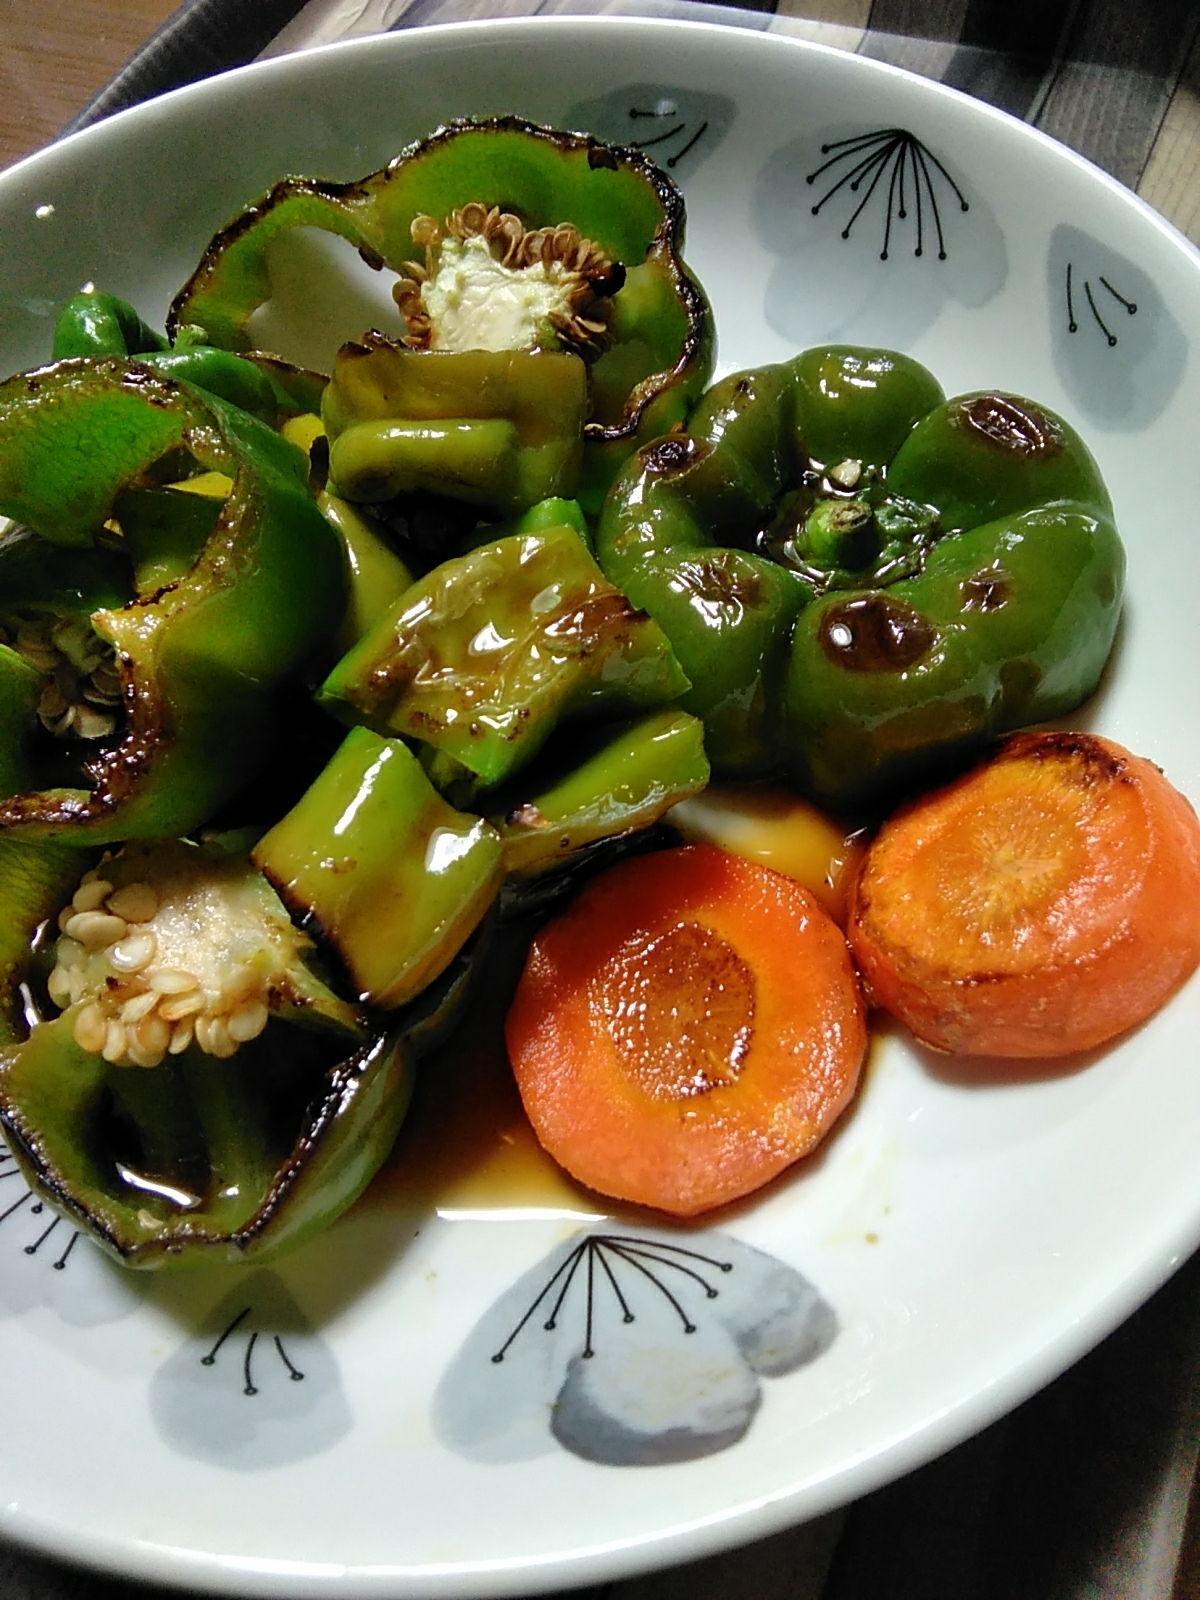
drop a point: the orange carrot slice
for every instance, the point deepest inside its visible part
(1040, 905)
(689, 1028)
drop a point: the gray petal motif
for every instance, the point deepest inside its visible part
(874, 233)
(1119, 352)
(48, 1262)
(631, 1349)
(255, 1388)
(679, 127)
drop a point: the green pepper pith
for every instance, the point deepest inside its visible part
(863, 580)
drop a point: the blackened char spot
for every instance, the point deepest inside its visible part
(875, 633)
(986, 591)
(1011, 425)
(1091, 761)
(671, 454)
(600, 155)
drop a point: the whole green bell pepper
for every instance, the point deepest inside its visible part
(198, 661)
(862, 579)
(661, 328)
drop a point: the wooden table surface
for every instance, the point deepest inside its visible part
(55, 55)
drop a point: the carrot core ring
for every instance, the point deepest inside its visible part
(698, 1041)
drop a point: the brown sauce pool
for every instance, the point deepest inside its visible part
(466, 1144)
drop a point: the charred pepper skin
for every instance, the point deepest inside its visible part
(201, 658)
(862, 579)
(662, 354)
(211, 1161)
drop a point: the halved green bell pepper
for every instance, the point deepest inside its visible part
(200, 660)
(202, 1157)
(662, 351)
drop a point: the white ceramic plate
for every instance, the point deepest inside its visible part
(961, 1239)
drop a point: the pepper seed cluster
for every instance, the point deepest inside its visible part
(577, 265)
(139, 1012)
(82, 696)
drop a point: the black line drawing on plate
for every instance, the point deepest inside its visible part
(667, 110)
(1118, 350)
(249, 1387)
(874, 239)
(630, 1349)
(1073, 326)
(912, 174)
(254, 1386)
(678, 127)
(605, 1251)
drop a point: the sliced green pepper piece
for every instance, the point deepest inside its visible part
(492, 428)
(497, 428)
(488, 653)
(631, 778)
(95, 324)
(395, 878)
(616, 197)
(378, 577)
(200, 660)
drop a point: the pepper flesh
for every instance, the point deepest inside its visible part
(96, 324)
(494, 428)
(396, 879)
(630, 779)
(201, 658)
(484, 656)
